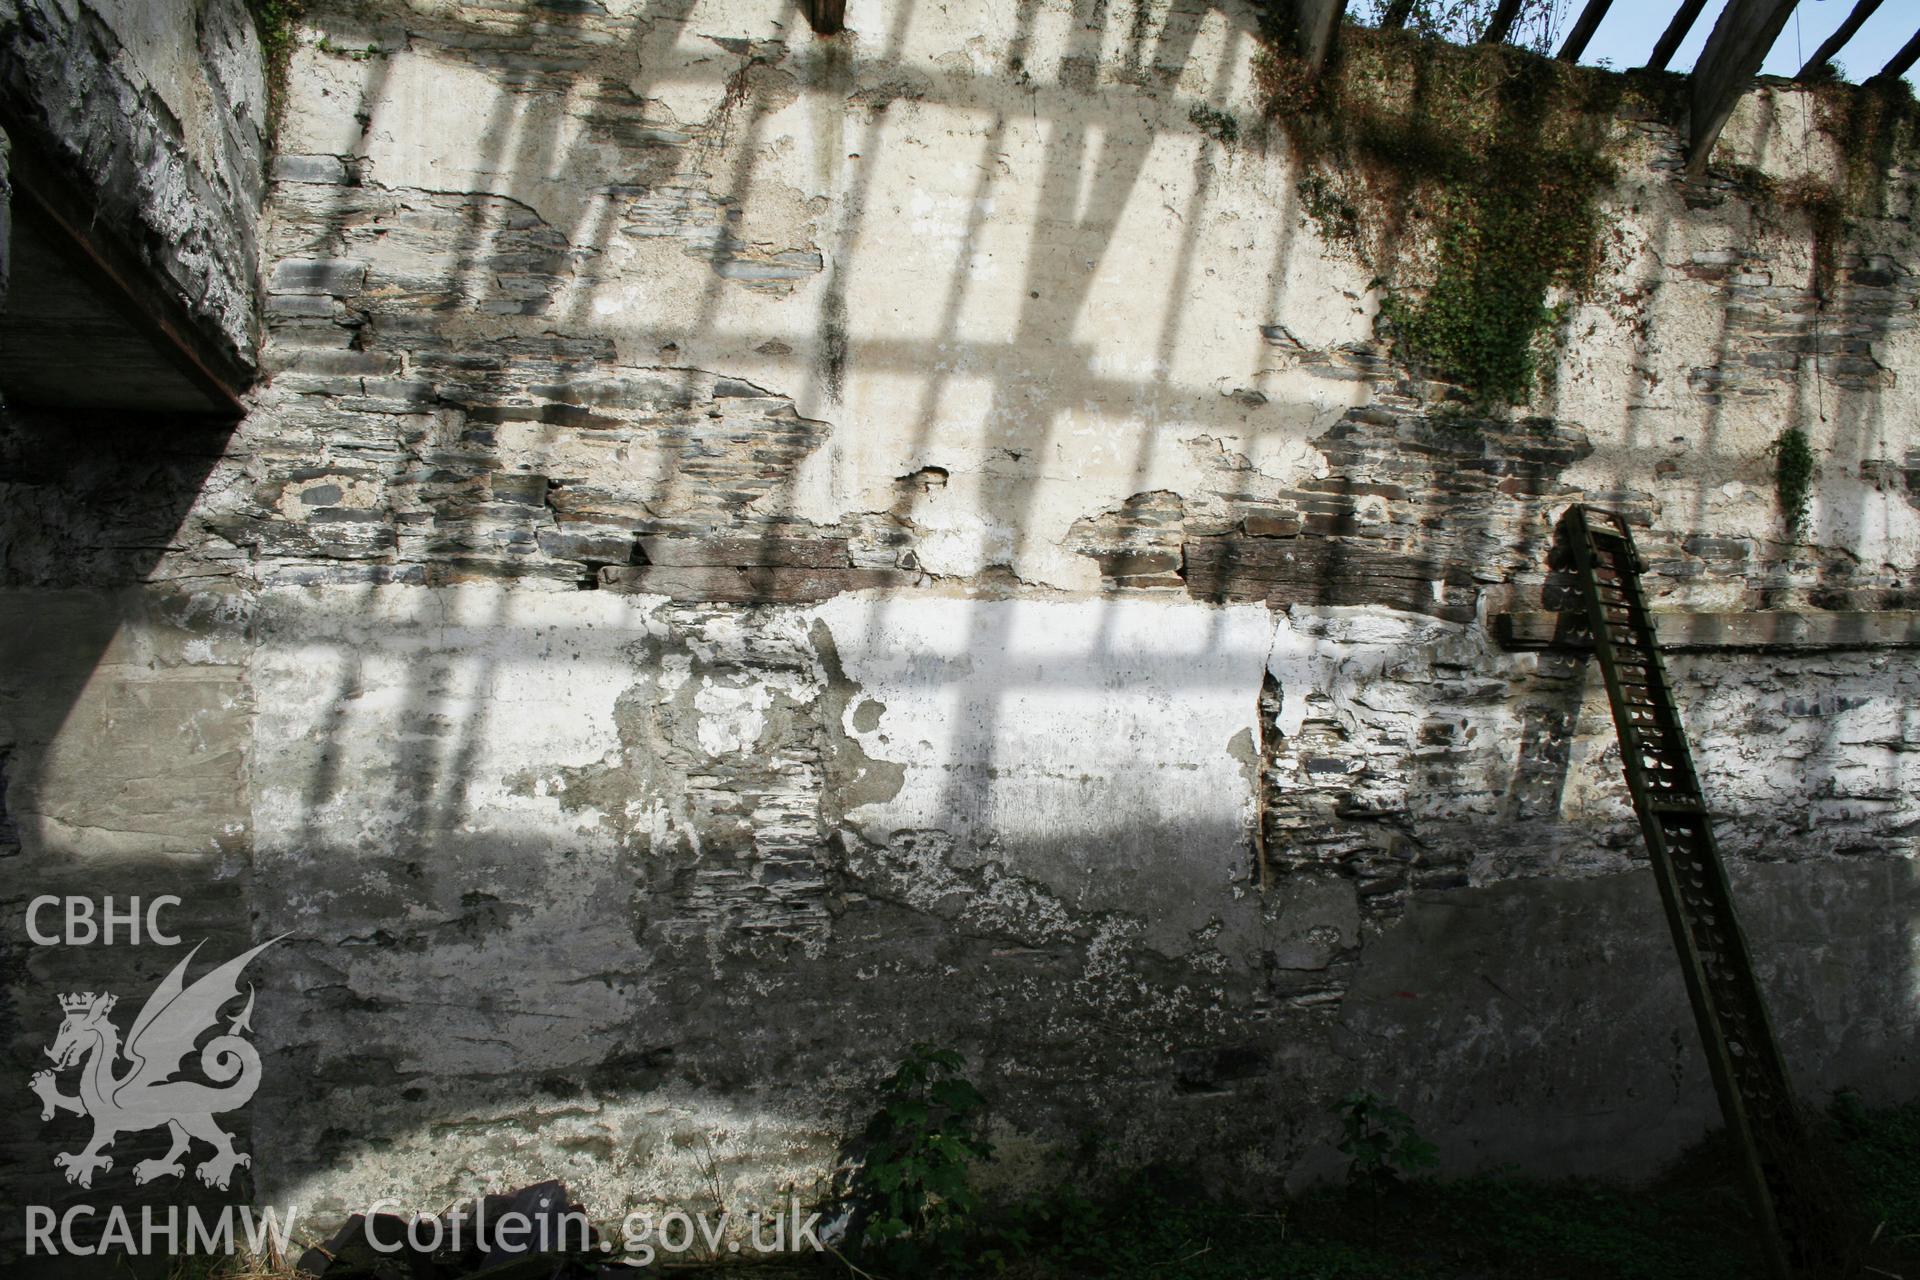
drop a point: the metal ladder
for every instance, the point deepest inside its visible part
(1748, 1073)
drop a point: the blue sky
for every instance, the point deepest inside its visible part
(1628, 32)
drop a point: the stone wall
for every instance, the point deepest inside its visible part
(157, 110)
(757, 549)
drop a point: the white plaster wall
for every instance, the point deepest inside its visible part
(1104, 748)
(1050, 279)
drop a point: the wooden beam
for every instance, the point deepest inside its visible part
(1837, 41)
(1669, 43)
(1583, 30)
(755, 585)
(741, 551)
(1502, 23)
(1764, 629)
(1740, 42)
(1314, 22)
(64, 219)
(1902, 61)
(6, 219)
(827, 17)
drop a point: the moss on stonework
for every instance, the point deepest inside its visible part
(1878, 128)
(275, 21)
(1469, 178)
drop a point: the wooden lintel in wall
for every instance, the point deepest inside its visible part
(1758, 630)
(50, 209)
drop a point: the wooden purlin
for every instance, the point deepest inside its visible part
(1502, 22)
(1583, 29)
(1902, 61)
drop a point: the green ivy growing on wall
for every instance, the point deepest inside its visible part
(1878, 128)
(1505, 242)
(1793, 478)
(1470, 179)
(275, 21)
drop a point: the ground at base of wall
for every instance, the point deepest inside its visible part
(1692, 1221)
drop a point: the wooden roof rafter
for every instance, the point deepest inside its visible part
(1669, 42)
(1501, 25)
(1583, 29)
(826, 17)
(1901, 62)
(1315, 22)
(1837, 41)
(1739, 43)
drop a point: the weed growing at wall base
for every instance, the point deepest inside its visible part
(911, 1194)
(1382, 1145)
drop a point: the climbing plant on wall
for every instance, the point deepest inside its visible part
(1505, 244)
(1469, 179)
(1793, 468)
(275, 20)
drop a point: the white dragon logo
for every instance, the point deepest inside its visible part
(146, 1096)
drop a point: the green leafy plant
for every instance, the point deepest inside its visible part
(1793, 477)
(1503, 245)
(911, 1191)
(1471, 180)
(1382, 1145)
(1218, 125)
(276, 20)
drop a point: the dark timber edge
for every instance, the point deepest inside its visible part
(1757, 631)
(1314, 23)
(1669, 42)
(1583, 29)
(44, 192)
(826, 17)
(1732, 56)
